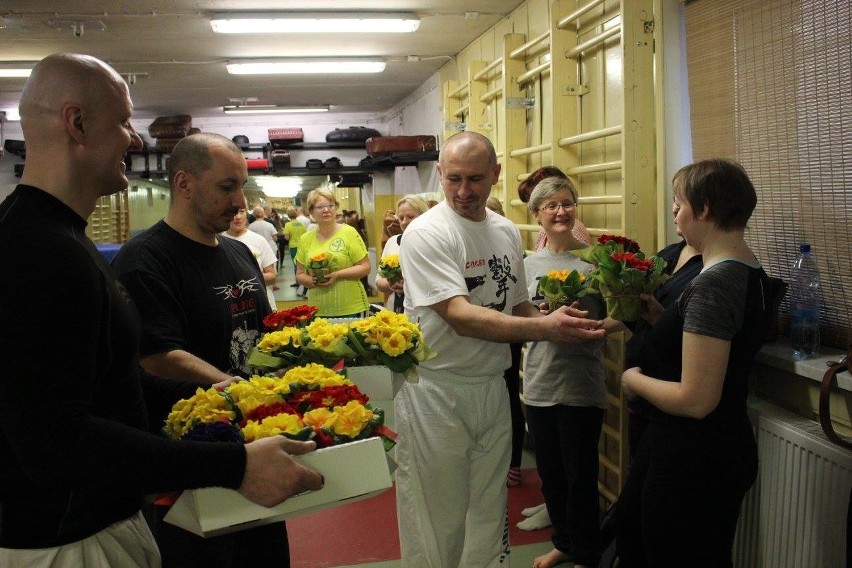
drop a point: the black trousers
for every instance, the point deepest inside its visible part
(265, 546)
(565, 439)
(512, 376)
(683, 494)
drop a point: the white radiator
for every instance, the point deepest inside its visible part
(795, 515)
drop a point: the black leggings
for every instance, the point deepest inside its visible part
(682, 498)
(512, 376)
(565, 439)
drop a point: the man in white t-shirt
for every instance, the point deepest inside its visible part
(259, 247)
(465, 284)
(264, 228)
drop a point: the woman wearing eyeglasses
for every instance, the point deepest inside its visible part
(564, 391)
(525, 189)
(409, 208)
(331, 260)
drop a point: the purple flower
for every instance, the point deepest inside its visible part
(215, 432)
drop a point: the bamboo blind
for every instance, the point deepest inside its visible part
(770, 86)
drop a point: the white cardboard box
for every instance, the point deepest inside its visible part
(377, 382)
(352, 472)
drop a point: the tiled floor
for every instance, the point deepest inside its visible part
(286, 293)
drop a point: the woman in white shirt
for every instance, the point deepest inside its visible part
(408, 209)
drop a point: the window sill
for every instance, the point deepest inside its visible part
(780, 355)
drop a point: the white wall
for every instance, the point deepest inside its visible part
(675, 133)
(419, 113)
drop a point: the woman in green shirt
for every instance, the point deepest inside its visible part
(331, 259)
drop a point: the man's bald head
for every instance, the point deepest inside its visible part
(75, 115)
(192, 154)
(470, 144)
(62, 79)
(258, 212)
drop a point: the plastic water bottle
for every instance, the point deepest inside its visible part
(804, 305)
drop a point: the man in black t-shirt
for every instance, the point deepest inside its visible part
(202, 299)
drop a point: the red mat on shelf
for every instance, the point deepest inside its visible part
(365, 531)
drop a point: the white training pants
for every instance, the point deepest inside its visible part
(125, 544)
(453, 451)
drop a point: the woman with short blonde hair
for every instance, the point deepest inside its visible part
(331, 260)
(408, 208)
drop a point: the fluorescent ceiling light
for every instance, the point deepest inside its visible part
(274, 186)
(10, 114)
(272, 109)
(16, 69)
(314, 22)
(304, 66)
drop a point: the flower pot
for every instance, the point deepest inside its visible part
(624, 307)
(320, 274)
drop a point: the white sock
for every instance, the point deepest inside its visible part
(539, 520)
(530, 511)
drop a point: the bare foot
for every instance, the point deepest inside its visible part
(552, 558)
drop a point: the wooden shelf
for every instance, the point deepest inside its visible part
(384, 163)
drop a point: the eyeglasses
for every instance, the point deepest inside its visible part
(322, 208)
(554, 207)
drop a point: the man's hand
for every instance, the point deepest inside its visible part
(272, 475)
(222, 385)
(330, 279)
(570, 324)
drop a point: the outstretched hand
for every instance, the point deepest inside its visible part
(572, 324)
(272, 475)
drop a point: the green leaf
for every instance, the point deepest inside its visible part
(264, 362)
(397, 364)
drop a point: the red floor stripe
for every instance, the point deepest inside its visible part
(365, 531)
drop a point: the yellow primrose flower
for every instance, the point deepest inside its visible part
(326, 340)
(259, 391)
(351, 419)
(272, 426)
(391, 260)
(560, 275)
(319, 418)
(387, 317)
(313, 374)
(394, 345)
(204, 406)
(277, 339)
(321, 327)
(363, 325)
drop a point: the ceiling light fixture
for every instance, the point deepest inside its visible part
(315, 65)
(20, 69)
(78, 27)
(313, 22)
(11, 114)
(273, 109)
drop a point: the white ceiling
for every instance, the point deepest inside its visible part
(172, 42)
